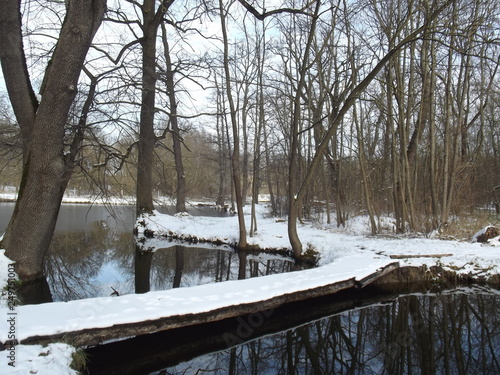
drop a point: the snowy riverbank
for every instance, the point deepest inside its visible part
(10, 195)
(344, 253)
(333, 244)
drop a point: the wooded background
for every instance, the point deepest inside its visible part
(341, 107)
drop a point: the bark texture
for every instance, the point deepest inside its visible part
(45, 170)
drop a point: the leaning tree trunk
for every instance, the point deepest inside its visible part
(46, 169)
(295, 199)
(348, 103)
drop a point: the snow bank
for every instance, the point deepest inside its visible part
(333, 244)
(53, 359)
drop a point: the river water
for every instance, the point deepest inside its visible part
(93, 254)
(440, 332)
(448, 332)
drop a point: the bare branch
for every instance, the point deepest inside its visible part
(262, 16)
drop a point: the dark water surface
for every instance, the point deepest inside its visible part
(450, 332)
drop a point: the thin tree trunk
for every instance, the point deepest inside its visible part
(396, 179)
(432, 150)
(235, 159)
(180, 205)
(229, 157)
(364, 175)
(259, 125)
(294, 199)
(270, 188)
(433, 178)
(447, 141)
(221, 150)
(246, 156)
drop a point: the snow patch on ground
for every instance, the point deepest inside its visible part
(333, 244)
(53, 359)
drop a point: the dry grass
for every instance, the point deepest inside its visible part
(79, 362)
(464, 227)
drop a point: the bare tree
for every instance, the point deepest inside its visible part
(152, 15)
(180, 204)
(294, 199)
(47, 165)
(356, 90)
(235, 157)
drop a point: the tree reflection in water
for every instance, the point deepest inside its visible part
(452, 333)
(102, 260)
(180, 266)
(77, 258)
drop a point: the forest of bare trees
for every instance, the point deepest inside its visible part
(338, 107)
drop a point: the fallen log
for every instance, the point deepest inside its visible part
(103, 334)
(99, 335)
(377, 275)
(403, 256)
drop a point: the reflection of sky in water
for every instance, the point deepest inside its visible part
(93, 254)
(102, 272)
(120, 217)
(111, 278)
(6, 210)
(81, 216)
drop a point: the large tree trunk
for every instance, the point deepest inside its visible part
(16, 76)
(45, 170)
(142, 270)
(147, 138)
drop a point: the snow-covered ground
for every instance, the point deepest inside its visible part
(333, 244)
(344, 253)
